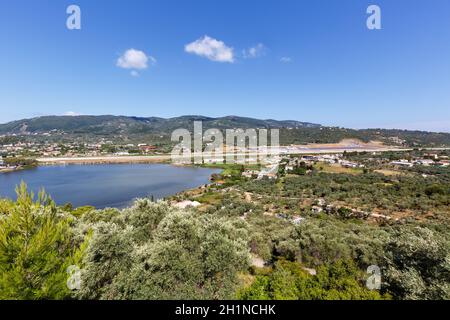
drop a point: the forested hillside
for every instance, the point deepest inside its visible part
(159, 130)
(134, 125)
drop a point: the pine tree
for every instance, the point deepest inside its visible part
(36, 248)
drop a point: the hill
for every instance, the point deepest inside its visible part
(158, 130)
(134, 125)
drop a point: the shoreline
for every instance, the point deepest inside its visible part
(9, 170)
(104, 160)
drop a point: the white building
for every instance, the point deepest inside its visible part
(297, 220)
(403, 163)
(186, 204)
(425, 162)
(270, 172)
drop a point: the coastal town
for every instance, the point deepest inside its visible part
(289, 158)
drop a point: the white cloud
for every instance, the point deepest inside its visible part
(135, 59)
(286, 59)
(71, 114)
(254, 52)
(211, 49)
(134, 73)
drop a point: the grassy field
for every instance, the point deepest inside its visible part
(336, 168)
(389, 173)
(212, 198)
(232, 169)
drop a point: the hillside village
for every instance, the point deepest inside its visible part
(74, 149)
(289, 162)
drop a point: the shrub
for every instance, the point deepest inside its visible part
(153, 251)
(289, 281)
(417, 263)
(36, 248)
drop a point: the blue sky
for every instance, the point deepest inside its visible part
(308, 60)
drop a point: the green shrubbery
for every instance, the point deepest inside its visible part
(417, 262)
(21, 161)
(289, 281)
(152, 251)
(155, 251)
(413, 258)
(365, 191)
(148, 251)
(37, 245)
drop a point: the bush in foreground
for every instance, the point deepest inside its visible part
(153, 251)
(289, 281)
(36, 248)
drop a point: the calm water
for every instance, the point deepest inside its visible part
(106, 185)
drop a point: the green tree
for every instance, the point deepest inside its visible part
(154, 251)
(36, 248)
(289, 281)
(417, 263)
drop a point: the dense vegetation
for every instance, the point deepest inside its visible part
(397, 195)
(388, 137)
(37, 245)
(108, 125)
(148, 251)
(289, 281)
(154, 251)
(21, 161)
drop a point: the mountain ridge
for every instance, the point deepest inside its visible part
(89, 123)
(157, 130)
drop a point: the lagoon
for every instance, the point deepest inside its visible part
(108, 185)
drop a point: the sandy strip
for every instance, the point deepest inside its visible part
(105, 160)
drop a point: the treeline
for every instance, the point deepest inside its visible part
(415, 139)
(20, 161)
